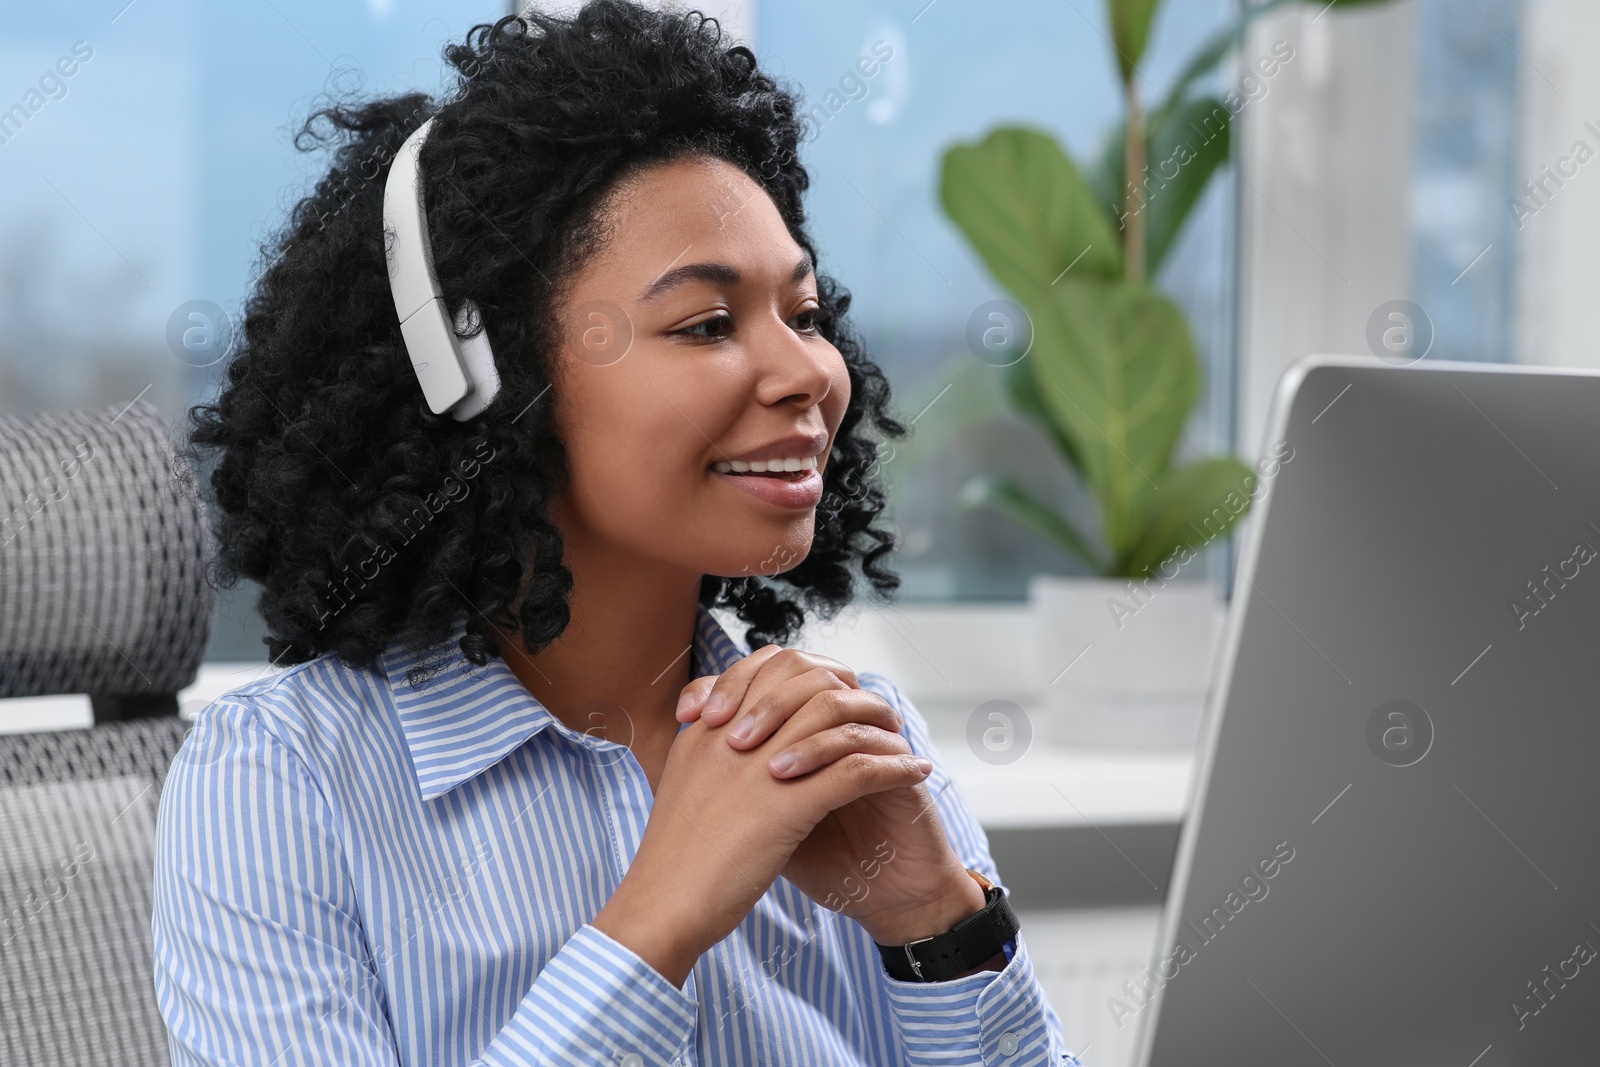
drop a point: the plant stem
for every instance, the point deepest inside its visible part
(1133, 161)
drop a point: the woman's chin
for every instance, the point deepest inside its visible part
(758, 556)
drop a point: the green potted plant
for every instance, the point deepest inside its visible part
(1111, 375)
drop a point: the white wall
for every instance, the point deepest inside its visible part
(1557, 310)
(1324, 201)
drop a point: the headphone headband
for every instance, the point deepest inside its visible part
(457, 374)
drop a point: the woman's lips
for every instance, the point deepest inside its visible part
(788, 489)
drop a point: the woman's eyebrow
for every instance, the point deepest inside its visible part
(711, 272)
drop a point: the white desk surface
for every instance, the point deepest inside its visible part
(1047, 786)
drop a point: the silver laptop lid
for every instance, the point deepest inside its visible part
(1392, 855)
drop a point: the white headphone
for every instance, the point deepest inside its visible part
(457, 373)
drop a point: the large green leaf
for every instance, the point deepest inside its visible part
(1116, 368)
(1185, 149)
(1130, 30)
(1112, 374)
(1208, 55)
(1022, 203)
(1103, 175)
(1022, 389)
(1009, 498)
(1194, 505)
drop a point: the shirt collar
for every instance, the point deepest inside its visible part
(469, 718)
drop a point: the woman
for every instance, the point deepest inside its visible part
(522, 800)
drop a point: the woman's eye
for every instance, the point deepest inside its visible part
(717, 327)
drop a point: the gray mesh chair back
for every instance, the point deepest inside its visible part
(102, 549)
(77, 829)
(103, 557)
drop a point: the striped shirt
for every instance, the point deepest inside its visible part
(352, 872)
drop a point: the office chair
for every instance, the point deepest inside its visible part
(103, 551)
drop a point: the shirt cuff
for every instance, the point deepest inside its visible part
(597, 997)
(990, 1017)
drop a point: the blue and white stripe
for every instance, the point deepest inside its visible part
(350, 872)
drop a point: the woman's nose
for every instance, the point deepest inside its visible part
(793, 367)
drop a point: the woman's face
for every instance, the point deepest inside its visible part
(690, 343)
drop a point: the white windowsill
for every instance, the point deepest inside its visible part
(948, 658)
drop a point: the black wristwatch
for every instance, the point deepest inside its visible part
(968, 944)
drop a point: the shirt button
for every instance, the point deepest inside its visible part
(1008, 1042)
(633, 1059)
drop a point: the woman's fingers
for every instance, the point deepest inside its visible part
(857, 774)
(694, 699)
(762, 716)
(740, 694)
(833, 744)
(814, 700)
(729, 689)
(761, 692)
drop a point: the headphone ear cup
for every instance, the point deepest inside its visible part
(477, 361)
(457, 373)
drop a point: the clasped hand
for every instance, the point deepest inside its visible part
(882, 860)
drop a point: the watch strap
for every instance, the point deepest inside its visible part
(968, 944)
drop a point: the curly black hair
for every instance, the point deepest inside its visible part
(333, 479)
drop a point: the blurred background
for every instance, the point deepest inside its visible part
(1432, 152)
(1379, 163)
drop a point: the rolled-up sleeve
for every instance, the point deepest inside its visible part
(260, 953)
(990, 1018)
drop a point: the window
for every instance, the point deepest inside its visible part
(956, 69)
(146, 155)
(140, 186)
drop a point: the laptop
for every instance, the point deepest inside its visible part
(1392, 856)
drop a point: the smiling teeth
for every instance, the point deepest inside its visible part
(760, 466)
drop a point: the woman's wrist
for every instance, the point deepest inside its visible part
(996, 963)
(960, 899)
(667, 945)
